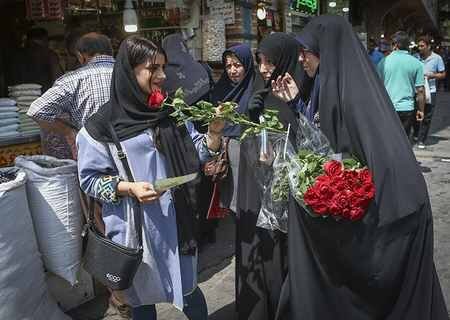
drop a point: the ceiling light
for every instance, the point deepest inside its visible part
(261, 12)
(345, 9)
(332, 4)
(130, 20)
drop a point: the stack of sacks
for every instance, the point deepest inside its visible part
(9, 118)
(25, 94)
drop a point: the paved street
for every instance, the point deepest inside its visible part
(217, 263)
(435, 162)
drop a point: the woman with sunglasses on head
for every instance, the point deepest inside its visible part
(156, 148)
(285, 87)
(261, 254)
(381, 266)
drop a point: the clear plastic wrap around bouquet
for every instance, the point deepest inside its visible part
(325, 184)
(277, 155)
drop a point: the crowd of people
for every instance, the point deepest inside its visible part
(380, 267)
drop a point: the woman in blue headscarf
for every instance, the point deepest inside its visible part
(235, 85)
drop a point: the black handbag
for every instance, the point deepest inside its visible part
(110, 263)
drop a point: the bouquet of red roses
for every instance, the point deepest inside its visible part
(322, 183)
(343, 190)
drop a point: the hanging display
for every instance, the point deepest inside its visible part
(213, 38)
(45, 9)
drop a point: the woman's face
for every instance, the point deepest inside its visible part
(234, 68)
(266, 68)
(310, 62)
(150, 75)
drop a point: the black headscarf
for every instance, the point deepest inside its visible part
(357, 116)
(282, 51)
(128, 112)
(226, 90)
(182, 71)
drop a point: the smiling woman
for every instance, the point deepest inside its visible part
(148, 65)
(155, 148)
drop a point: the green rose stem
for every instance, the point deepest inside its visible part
(206, 112)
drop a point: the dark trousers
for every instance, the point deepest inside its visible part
(194, 308)
(407, 119)
(421, 129)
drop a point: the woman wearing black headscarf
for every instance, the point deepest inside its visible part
(156, 148)
(235, 84)
(261, 263)
(380, 267)
(182, 71)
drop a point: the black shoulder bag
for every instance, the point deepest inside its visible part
(110, 263)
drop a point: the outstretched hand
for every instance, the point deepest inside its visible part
(285, 88)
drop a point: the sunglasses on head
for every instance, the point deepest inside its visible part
(304, 51)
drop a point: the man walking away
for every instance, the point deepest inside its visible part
(80, 93)
(434, 69)
(403, 78)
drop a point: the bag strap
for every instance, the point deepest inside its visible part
(137, 207)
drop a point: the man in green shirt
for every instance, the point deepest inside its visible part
(404, 80)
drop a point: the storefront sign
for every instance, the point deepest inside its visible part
(226, 9)
(308, 6)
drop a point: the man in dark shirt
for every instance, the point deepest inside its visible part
(37, 63)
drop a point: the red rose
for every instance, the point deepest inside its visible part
(323, 179)
(313, 199)
(155, 99)
(365, 176)
(333, 168)
(350, 176)
(339, 203)
(369, 188)
(324, 189)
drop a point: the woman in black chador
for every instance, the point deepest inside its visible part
(380, 267)
(261, 263)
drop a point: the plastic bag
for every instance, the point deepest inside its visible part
(23, 290)
(309, 139)
(275, 183)
(54, 199)
(427, 91)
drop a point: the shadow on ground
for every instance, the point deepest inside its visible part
(224, 313)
